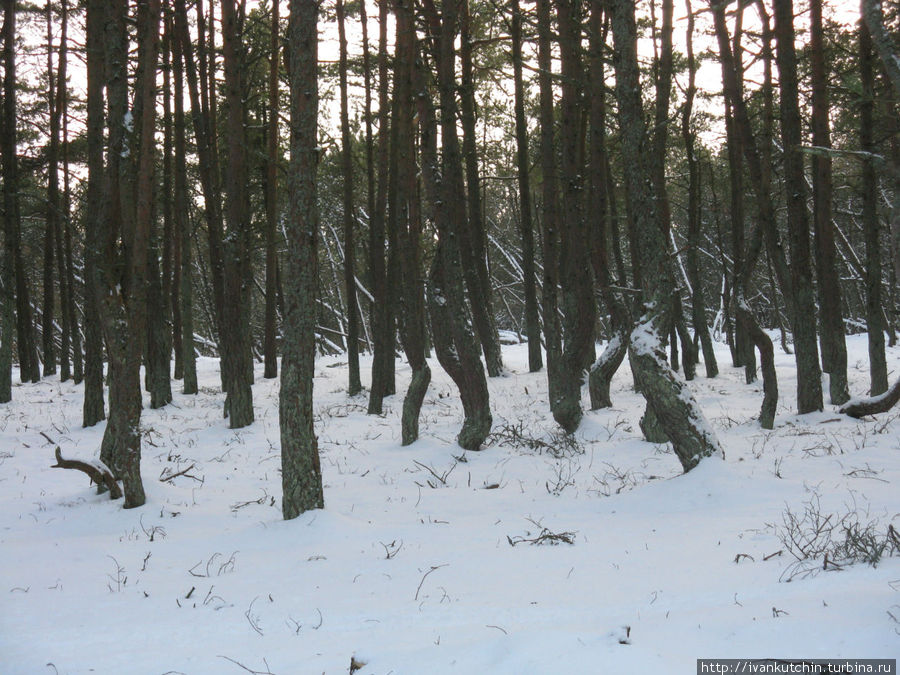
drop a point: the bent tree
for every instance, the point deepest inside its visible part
(671, 401)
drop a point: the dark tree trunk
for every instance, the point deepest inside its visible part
(355, 386)
(171, 235)
(123, 300)
(549, 205)
(831, 323)
(183, 227)
(62, 226)
(156, 360)
(51, 231)
(269, 347)
(668, 398)
(382, 315)
(473, 242)
(806, 350)
(874, 301)
(698, 300)
(409, 223)
(578, 307)
(234, 324)
(526, 228)
(451, 327)
(10, 199)
(301, 473)
(93, 337)
(28, 362)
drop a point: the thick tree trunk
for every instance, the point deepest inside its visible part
(301, 472)
(806, 350)
(234, 323)
(526, 228)
(668, 397)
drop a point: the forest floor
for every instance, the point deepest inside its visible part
(536, 555)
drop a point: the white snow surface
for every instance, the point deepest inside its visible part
(410, 578)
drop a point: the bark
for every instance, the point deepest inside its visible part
(99, 475)
(831, 323)
(806, 351)
(451, 328)
(234, 323)
(93, 409)
(875, 324)
(473, 246)
(873, 405)
(269, 346)
(10, 197)
(698, 300)
(549, 204)
(171, 235)
(158, 381)
(355, 386)
(526, 227)
(382, 318)
(578, 307)
(873, 16)
(65, 290)
(409, 223)
(77, 362)
(51, 231)
(123, 300)
(667, 396)
(300, 466)
(28, 361)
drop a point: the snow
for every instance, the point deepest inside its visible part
(664, 567)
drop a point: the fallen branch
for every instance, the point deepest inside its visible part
(98, 472)
(859, 407)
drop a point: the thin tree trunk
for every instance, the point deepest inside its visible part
(53, 210)
(473, 248)
(526, 228)
(874, 300)
(171, 234)
(831, 324)
(10, 198)
(355, 386)
(301, 472)
(269, 346)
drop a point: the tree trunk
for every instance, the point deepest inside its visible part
(183, 227)
(668, 397)
(53, 212)
(269, 346)
(93, 410)
(355, 386)
(409, 223)
(806, 351)
(831, 323)
(698, 301)
(874, 302)
(526, 228)
(473, 247)
(234, 328)
(301, 472)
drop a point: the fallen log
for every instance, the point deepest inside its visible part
(98, 472)
(858, 407)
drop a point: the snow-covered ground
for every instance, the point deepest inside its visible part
(421, 560)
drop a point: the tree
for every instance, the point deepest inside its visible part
(301, 472)
(270, 352)
(671, 401)
(526, 228)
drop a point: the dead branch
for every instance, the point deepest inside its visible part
(100, 475)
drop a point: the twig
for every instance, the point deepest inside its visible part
(433, 568)
(267, 671)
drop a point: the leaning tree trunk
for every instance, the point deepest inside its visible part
(301, 472)
(668, 397)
